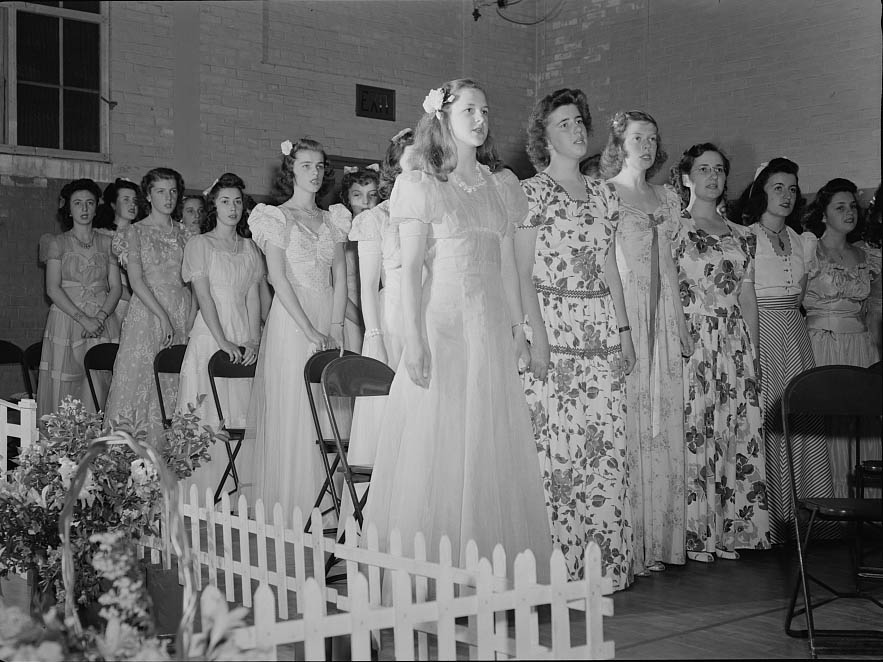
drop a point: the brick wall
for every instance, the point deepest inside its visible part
(799, 78)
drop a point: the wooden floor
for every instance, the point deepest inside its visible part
(722, 610)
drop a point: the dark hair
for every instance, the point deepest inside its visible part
(435, 152)
(362, 177)
(685, 165)
(815, 211)
(390, 167)
(614, 153)
(873, 230)
(227, 180)
(753, 202)
(157, 174)
(64, 199)
(179, 209)
(537, 144)
(590, 166)
(285, 176)
(105, 216)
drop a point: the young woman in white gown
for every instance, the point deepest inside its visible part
(456, 453)
(224, 268)
(307, 269)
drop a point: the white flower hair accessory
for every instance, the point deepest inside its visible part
(286, 147)
(374, 166)
(765, 164)
(349, 170)
(435, 100)
(208, 190)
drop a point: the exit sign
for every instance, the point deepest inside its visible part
(375, 102)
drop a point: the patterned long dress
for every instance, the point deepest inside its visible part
(654, 400)
(84, 280)
(725, 456)
(133, 390)
(578, 412)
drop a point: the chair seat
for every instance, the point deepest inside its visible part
(845, 509)
(236, 434)
(361, 473)
(331, 447)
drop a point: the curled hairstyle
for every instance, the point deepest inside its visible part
(105, 216)
(753, 202)
(390, 167)
(614, 152)
(227, 180)
(64, 199)
(157, 174)
(685, 165)
(537, 143)
(435, 151)
(179, 209)
(815, 211)
(362, 177)
(285, 177)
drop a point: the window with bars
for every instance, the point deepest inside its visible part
(53, 75)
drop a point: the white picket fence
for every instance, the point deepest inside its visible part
(386, 592)
(25, 430)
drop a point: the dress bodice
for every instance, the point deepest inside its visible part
(230, 273)
(778, 275)
(308, 254)
(712, 268)
(465, 224)
(573, 236)
(638, 233)
(159, 252)
(835, 294)
(83, 270)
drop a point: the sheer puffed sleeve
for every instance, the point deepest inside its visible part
(672, 220)
(268, 225)
(50, 248)
(126, 245)
(411, 199)
(366, 226)
(535, 192)
(341, 218)
(514, 199)
(197, 253)
(810, 243)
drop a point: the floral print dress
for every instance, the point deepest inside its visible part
(723, 421)
(578, 412)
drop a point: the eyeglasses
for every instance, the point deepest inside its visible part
(705, 170)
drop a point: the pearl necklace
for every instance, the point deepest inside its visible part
(311, 213)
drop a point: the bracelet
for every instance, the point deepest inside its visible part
(101, 312)
(625, 328)
(373, 333)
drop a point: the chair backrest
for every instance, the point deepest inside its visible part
(220, 366)
(357, 376)
(33, 354)
(167, 361)
(12, 354)
(834, 390)
(101, 357)
(877, 367)
(316, 364)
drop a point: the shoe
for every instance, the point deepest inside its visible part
(656, 566)
(702, 557)
(724, 554)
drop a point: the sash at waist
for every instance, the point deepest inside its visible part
(787, 302)
(844, 323)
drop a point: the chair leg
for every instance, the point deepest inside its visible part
(231, 467)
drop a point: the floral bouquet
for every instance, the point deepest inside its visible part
(121, 494)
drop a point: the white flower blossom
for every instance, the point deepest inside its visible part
(286, 147)
(434, 100)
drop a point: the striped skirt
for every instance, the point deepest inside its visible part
(785, 351)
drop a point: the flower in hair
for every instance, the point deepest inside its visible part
(350, 170)
(765, 164)
(435, 100)
(205, 192)
(374, 166)
(286, 147)
(401, 134)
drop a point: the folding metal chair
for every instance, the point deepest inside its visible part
(855, 393)
(12, 354)
(354, 377)
(33, 356)
(220, 366)
(168, 362)
(99, 357)
(327, 446)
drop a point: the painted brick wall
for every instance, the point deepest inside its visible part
(800, 78)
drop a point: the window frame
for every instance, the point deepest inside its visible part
(9, 92)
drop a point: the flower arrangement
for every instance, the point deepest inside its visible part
(121, 494)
